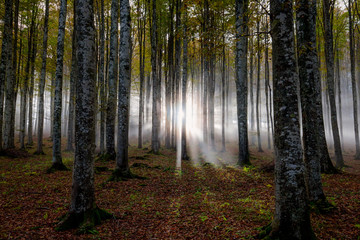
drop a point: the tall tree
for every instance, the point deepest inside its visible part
(83, 211)
(31, 87)
(141, 37)
(57, 163)
(353, 80)
(102, 77)
(258, 93)
(292, 218)
(156, 107)
(5, 77)
(113, 72)
(73, 77)
(328, 10)
(184, 155)
(40, 116)
(309, 75)
(122, 169)
(241, 9)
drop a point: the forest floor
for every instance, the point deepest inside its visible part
(200, 202)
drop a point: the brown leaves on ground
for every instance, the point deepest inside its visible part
(201, 202)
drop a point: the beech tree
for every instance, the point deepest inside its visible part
(292, 218)
(83, 212)
(57, 163)
(6, 77)
(241, 8)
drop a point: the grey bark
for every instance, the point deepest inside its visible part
(329, 57)
(73, 77)
(156, 107)
(241, 9)
(170, 79)
(25, 84)
(102, 77)
(267, 83)
(31, 88)
(56, 137)
(141, 38)
(309, 76)
(258, 114)
(122, 160)
(292, 219)
(353, 80)
(177, 71)
(206, 72)
(184, 155)
(6, 77)
(251, 88)
(113, 74)
(83, 211)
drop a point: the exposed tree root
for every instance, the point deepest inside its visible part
(322, 206)
(85, 221)
(57, 167)
(105, 157)
(269, 233)
(121, 175)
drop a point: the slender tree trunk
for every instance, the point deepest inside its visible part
(156, 107)
(57, 163)
(6, 77)
(184, 155)
(329, 56)
(292, 218)
(223, 96)
(251, 76)
(353, 81)
(206, 71)
(141, 37)
(25, 84)
(83, 211)
(267, 83)
(31, 88)
(73, 77)
(241, 9)
(338, 79)
(258, 112)
(102, 78)
(122, 159)
(40, 127)
(113, 74)
(309, 75)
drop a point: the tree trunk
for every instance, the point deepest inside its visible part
(241, 9)
(25, 84)
(83, 211)
(251, 76)
(155, 140)
(122, 160)
(184, 155)
(102, 78)
(292, 218)
(258, 97)
(353, 81)
(73, 77)
(113, 74)
(267, 83)
(170, 79)
(141, 36)
(31, 88)
(329, 56)
(40, 117)
(309, 76)
(57, 163)
(6, 78)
